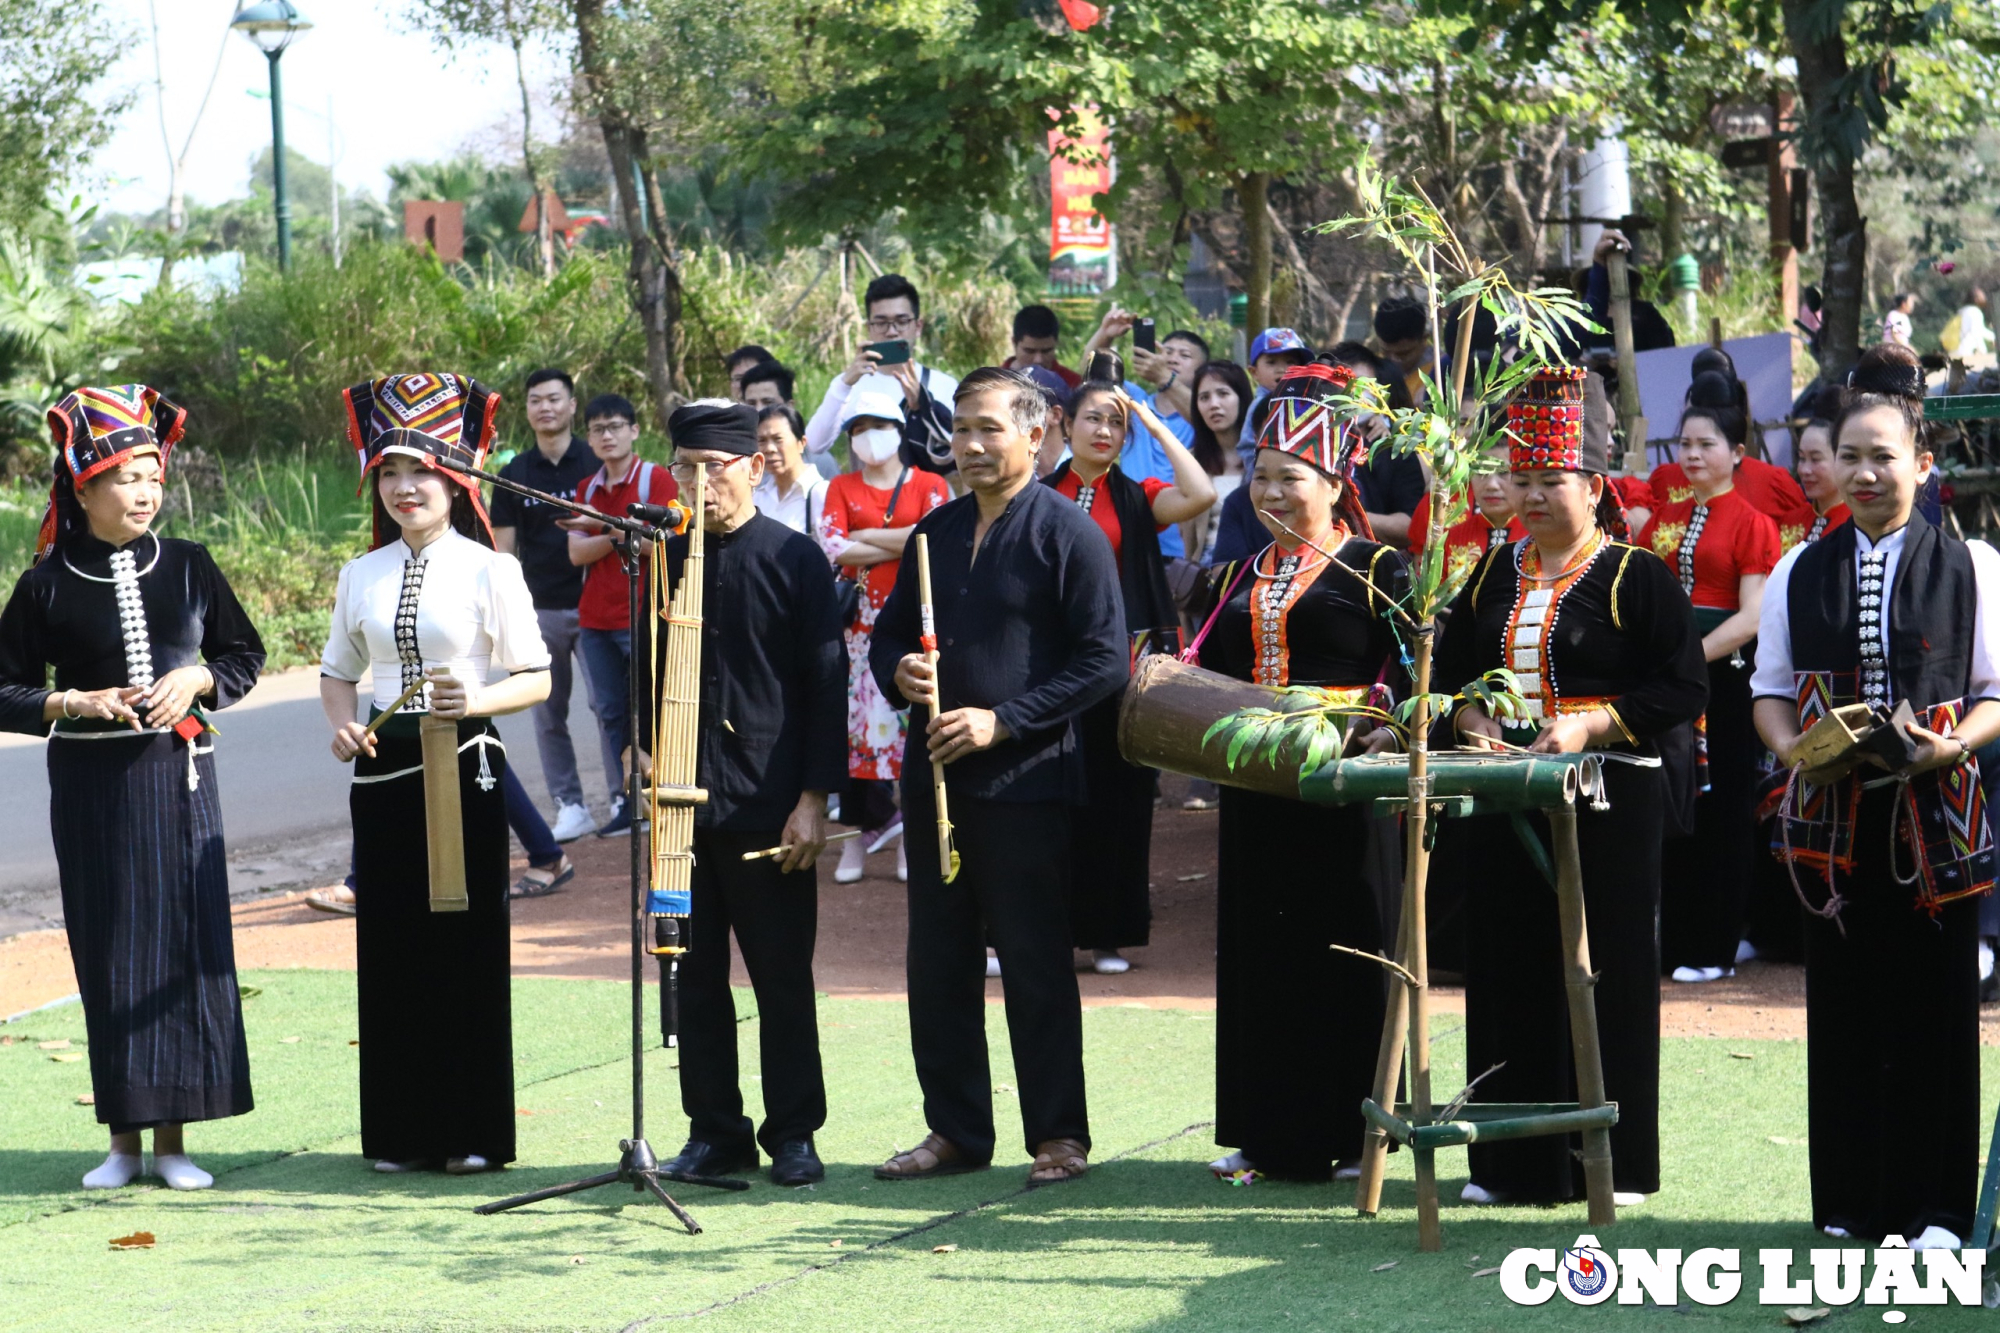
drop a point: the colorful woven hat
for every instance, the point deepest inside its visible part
(1305, 420)
(1545, 424)
(96, 428)
(443, 420)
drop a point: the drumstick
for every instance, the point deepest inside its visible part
(400, 700)
(947, 854)
(769, 852)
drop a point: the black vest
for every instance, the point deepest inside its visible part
(1930, 614)
(1142, 572)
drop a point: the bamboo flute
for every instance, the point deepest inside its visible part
(947, 854)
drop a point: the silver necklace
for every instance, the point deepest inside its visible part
(97, 578)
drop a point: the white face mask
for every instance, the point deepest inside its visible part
(876, 445)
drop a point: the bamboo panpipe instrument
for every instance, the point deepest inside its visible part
(947, 854)
(769, 852)
(673, 793)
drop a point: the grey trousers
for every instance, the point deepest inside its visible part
(559, 771)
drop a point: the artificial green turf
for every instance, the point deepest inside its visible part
(299, 1234)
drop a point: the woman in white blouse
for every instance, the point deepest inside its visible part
(432, 603)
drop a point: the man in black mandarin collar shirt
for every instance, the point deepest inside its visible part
(1030, 633)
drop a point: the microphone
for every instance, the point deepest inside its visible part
(671, 516)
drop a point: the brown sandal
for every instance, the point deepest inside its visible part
(1056, 1161)
(935, 1156)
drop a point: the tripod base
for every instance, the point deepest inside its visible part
(638, 1168)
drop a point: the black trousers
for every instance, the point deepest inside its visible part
(1111, 859)
(1892, 1050)
(1705, 879)
(1517, 1011)
(1012, 890)
(776, 919)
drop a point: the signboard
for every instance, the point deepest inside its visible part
(1083, 247)
(1743, 120)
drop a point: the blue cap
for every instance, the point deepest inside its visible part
(1278, 340)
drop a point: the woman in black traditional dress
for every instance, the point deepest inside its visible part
(144, 634)
(1297, 1024)
(1888, 609)
(1111, 856)
(1603, 640)
(432, 600)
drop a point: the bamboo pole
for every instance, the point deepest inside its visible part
(1581, 983)
(1629, 415)
(947, 854)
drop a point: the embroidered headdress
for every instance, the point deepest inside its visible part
(1545, 424)
(96, 429)
(445, 421)
(1305, 420)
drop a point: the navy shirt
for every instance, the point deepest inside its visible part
(1238, 534)
(541, 546)
(1033, 629)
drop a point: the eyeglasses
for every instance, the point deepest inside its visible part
(891, 323)
(609, 428)
(711, 469)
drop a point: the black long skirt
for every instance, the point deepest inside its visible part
(145, 891)
(1111, 848)
(1516, 1008)
(1892, 1050)
(1297, 1025)
(437, 1039)
(1706, 878)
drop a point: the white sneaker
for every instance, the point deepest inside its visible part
(1746, 952)
(469, 1165)
(1937, 1238)
(1230, 1165)
(1838, 1233)
(398, 1168)
(992, 965)
(1696, 975)
(572, 822)
(119, 1170)
(1108, 963)
(886, 834)
(853, 862)
(1347, 1170)
(902, 864)
(180, 1172)
(1477, 1194)
(1628, 1198)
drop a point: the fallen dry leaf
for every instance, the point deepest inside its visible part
(522, 1110)
(1741, 1055)
(69, 1058)
(576, 1258)
(944, 1249)
(138, 1240)
(1383, 1268)
(289, 1041)
(353, 1043)
(833, 1245)
(1800, 1314)
(62, 1045)
(1486, 1272)
(87, 1099)
(1189, 879)
(6, 1041)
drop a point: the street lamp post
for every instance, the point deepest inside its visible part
(271, 25)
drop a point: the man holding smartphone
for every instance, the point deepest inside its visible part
(895, 324)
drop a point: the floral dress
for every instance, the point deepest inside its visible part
(874, 727)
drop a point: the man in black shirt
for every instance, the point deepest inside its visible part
(772, 743)
(1030, 632)
(558, 464)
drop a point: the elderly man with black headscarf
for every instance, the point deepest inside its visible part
(773, 742)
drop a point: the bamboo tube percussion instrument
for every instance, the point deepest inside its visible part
(1841, 741)
(444, 817)
(947, 854)
(673, 794)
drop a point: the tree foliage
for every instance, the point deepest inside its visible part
(53, 115)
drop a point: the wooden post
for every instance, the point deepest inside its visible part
(1581, 983)
(1778, 195)
(1629, 417)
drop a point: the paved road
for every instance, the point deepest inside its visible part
(284, 799)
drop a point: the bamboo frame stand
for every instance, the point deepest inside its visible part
(1413, 1123)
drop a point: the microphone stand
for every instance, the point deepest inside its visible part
(637, 1164)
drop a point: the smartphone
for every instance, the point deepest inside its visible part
(1107, 366)
(1142, 335)
(892, 353)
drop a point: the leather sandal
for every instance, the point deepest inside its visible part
(540, 881)
(935, 1156)
(1056, 1161)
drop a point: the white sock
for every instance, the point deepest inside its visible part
(1838, 1233)
(180, 1172)
(1476, 1194)
(1627, 1198)
(118, 1171)
(1230, 1165)
(1936, 1238)
(1985, 960)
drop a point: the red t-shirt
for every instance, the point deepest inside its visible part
(1735, 540)
(1105, 512)
(605, 601)
(1770, 490)
(852, 505)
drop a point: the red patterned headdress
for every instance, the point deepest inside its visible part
(1545, 424)
(97, 428)
(445, 421)
(1305, 420)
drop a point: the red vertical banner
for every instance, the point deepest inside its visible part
(1083, 248)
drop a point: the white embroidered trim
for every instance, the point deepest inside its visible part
(485, 779)
(132, 619)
